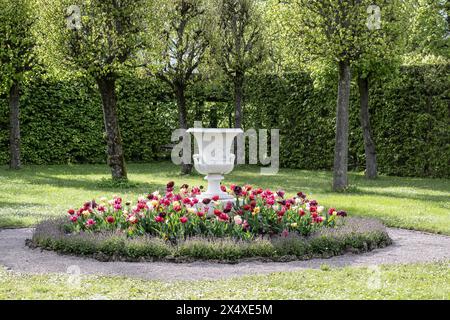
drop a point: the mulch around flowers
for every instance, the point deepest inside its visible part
(408, 247)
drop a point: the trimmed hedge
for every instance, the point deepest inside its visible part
(410, 112)
(410, 117)
(356, 235)
(62, 121)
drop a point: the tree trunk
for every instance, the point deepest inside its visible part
(186, 168)
(200, 107)
(369, 145)
(340, 179)
(238, 93)
(14, 124)
(213, 117)
(116, 160)
(238, 114)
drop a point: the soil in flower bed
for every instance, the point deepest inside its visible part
(357, 235)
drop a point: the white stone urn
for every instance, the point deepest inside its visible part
(214, 158)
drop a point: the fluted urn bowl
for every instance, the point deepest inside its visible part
(214, 157)
(218, 167)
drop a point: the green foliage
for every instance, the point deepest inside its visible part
(411, 118)
(182, 38)
(335, 30)
(237, 41)
(16, 41)
(382, 48)
(429, 29)
(95, 37)
(409, 115)
(62, 121)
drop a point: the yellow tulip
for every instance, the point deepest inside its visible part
(256, 211)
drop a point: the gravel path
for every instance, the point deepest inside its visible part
(408, 246)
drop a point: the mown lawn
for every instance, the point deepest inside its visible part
(37, 192)
(416, 281)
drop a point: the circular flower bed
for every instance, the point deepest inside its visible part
(181, 226)
(356, 235)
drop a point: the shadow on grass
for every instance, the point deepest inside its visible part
(290, 180)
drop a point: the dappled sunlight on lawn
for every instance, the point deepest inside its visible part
(37, 192)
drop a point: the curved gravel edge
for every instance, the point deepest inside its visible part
(408, 247)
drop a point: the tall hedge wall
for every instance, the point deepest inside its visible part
(62, 122)
(410, 112)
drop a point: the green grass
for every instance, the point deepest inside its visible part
(37, 192)
(416, 281)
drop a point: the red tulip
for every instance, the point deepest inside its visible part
(318, 219)
(183, 219)
(200, 214)
(141, 205)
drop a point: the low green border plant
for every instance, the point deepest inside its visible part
(356, 235)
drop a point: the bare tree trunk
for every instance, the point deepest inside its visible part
(213, 117)
(116, 160)
(340, 179)
(14, 124)
(238, 93)
(369, 145)
(238, 115)
(186, 168)
(199, 110)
